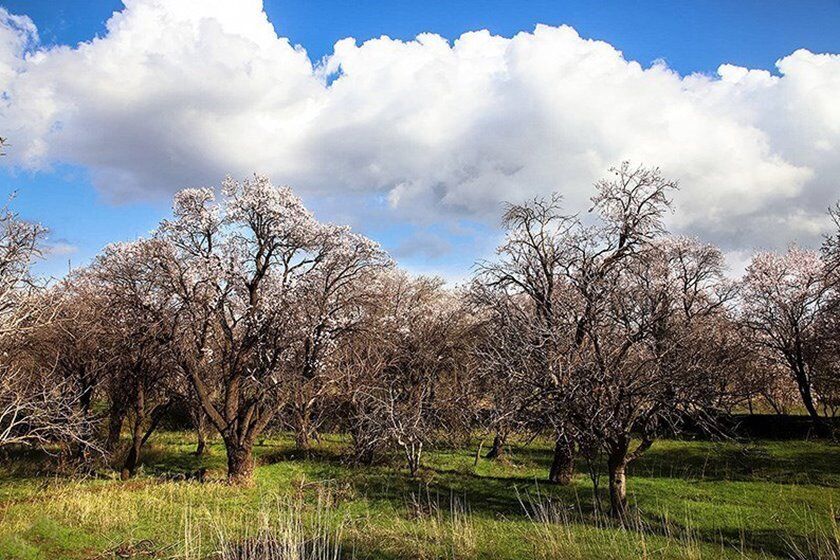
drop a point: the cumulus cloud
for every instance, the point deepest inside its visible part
(182, 92)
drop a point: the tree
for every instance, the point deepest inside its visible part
(136, 331)
(241, 273)
(657, 348)
(529, 265)
(336, 293)
(19, 248)
(72, 345)
(784, 297)
(36, 408)
(827, 384)
(400, 374)
(625, 326)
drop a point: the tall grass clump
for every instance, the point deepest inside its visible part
(283, 530)
(822, 543)
(563, 530)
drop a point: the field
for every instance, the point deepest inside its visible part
(692, 500)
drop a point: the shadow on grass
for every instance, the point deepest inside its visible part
(491, 491)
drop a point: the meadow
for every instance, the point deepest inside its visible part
(690, 499)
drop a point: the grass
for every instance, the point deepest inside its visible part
(693, 500)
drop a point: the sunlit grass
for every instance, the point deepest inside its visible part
(695, 500)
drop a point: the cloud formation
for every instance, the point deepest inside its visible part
(183, 92)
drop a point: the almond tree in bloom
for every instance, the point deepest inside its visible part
(338, 291)
(784, 297)
(241, 271)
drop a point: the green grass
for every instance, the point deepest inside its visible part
(693, 500)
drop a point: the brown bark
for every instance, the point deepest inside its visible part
(116, 418)
(132, 459)
(302, 426)
(563, 464)
(200, 430)
(617, 464)
(240, 462)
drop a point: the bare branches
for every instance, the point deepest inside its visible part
(786, 301)
(37, 411)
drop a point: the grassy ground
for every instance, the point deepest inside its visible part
(694, 500)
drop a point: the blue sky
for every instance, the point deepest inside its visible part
(689, 37)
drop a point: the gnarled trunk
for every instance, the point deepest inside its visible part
(132, 459)
(240, 462)
(303, 428)
(617, 463)
(563, 464)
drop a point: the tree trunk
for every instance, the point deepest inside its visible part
(497, 450)
(807, 398)
(617, 463)
(563, 464)
(129, 468)
(240, 462)
(116, 417)
(132, 459)
(302, 429)
(200, 430)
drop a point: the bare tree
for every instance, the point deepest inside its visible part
(72, 345)
(36, 408)
(19, 248)
(400, 372)
(652, 353)
(530, 263)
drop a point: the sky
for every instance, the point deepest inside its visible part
(414, 121)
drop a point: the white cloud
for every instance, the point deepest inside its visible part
(60, 248)
(182, 92)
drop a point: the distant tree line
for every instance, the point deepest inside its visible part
(247, 314)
